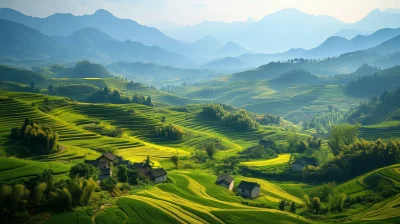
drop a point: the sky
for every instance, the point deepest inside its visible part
(190, 12)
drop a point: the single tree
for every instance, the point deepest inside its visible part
(293, 208)
(50, 88)
(316, 204)
(210, 149)
(175, 160)
(282, 205)
(148, 163)
(122, 173)
(32, 85)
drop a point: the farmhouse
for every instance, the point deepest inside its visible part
(158, 175)
(225, 181)
(104, 163)
(248, 189)
(298, 165)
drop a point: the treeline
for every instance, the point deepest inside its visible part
(108, 95)
(376, 109)
(38, 140)
(170, 131)
(240, 119)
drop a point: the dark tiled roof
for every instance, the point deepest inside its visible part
(110, 156)
(158, 172)
(137, 165)
(94, 163)
(301, 162)
(224, 179)
(248, 185)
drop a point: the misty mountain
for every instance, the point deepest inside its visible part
(332, 47)
(296, 77)
(226, 64)
(157, 75)
(220, 30)
(335, 46)
(94, 45)
(21, 42)
(65, 24)
(204, 47)
(350, 33)
(232, 49)
(377, 19)
(344, 64)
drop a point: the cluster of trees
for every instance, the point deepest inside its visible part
(324, 199)
(323, 122)
(228, 166)
(87, 69)
(266, 149)
(170, 131)
(108, 95)
(268, 119)
(19, 202)
(38, 140)
(240, 119)
(376, 109)
(296, 144)
(214, 111)
(287, 206)
(352, 156)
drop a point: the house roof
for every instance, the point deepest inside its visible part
(247, 185)
(137, 165)
(224, 179)
(158, 172)
(92, 162)
(301, 162)
(109, 156)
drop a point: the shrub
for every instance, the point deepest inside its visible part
(84, 170)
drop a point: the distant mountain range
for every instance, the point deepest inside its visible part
(385, 55)
(120, 29)
(290, 28)
(332, 47)
(24, 43)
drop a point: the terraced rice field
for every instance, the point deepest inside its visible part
(383, 131)
(281, 159)
(80, 143)
(192, 198)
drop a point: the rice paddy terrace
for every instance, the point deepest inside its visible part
(191, 196)
(83, 129)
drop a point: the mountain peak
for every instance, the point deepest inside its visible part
(103, 12)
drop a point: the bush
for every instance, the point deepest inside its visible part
(109, 184)
(84, 170)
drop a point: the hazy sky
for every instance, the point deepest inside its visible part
(185, 12)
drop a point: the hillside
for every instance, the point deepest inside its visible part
(85, 44)
(121, 29)
(345, 63)
(158, 75)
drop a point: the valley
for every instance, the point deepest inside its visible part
(104, 120)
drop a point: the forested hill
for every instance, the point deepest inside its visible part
(378, 109)
(373, 85)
